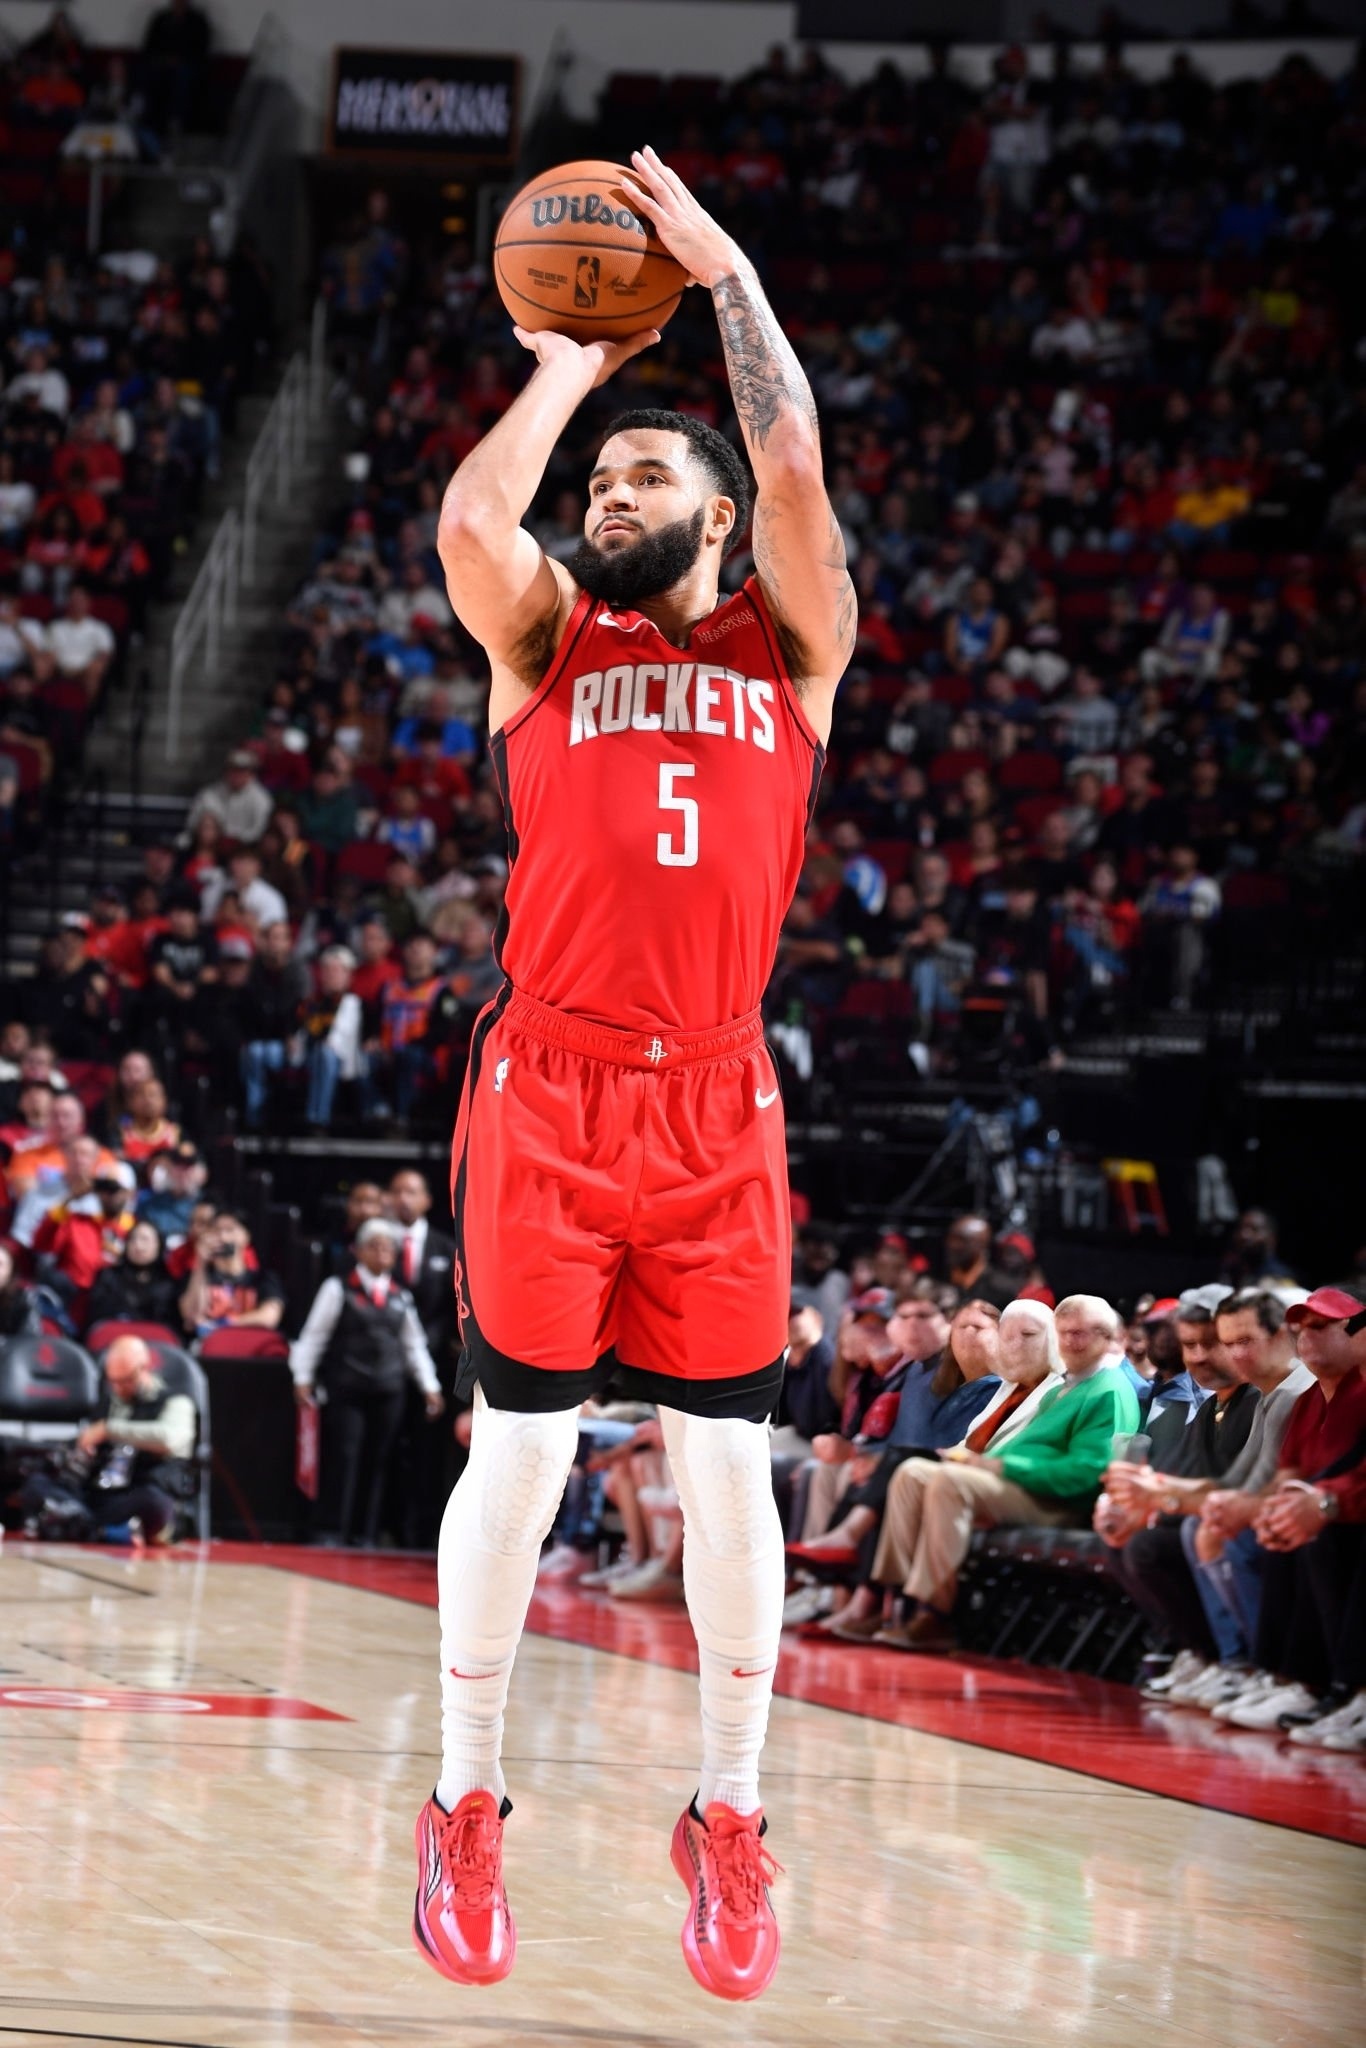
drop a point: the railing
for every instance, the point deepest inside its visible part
(263, 119)
(209, 612)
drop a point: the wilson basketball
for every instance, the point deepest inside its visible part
(572, 254)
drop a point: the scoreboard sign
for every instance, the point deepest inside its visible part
(421, 104)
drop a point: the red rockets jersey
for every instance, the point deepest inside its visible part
(657, 800)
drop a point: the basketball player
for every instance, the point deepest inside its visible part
(619, 1169)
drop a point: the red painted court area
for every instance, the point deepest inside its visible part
(88, 1699)
(1079, 1724)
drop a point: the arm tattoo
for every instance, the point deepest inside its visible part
(766, 380)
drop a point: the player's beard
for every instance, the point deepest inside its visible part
(647, 568)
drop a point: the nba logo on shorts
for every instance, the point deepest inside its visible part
(500, 1074)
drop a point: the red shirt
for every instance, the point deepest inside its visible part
(657, 801)
(122, 948)
(371, 979)
(82, 1245)
(1321, 1432)
(101, 460)
(436, 782)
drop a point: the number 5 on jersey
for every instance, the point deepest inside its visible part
(667, 853)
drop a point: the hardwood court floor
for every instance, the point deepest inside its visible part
(210, 1765)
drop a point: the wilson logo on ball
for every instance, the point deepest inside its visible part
(584, 208)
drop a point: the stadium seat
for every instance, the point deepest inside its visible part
(1034, 772)
(364, 860)
(247, 1343)
(48, 1388)
(102, 1335)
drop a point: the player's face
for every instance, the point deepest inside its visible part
(646, 521)
(641, 482)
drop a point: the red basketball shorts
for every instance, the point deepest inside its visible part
(621, 1213)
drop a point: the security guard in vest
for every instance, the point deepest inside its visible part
(361, 1339)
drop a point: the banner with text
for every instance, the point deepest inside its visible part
(418, 103)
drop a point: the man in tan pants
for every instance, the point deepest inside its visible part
(933, 1505)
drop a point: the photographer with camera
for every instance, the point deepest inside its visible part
(128, 1472)
(227, 1289)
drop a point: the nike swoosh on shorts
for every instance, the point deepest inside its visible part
(765, 1101)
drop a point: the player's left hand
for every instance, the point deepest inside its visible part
(435, 1404)
(685, 228)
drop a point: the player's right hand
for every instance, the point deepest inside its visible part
(597, 359)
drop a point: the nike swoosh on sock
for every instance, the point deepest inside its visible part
(473, 1674)
(736, 1672)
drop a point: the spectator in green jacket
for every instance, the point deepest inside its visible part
(1048, 1474)
(329, 807)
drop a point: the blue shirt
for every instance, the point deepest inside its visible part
(929, 1422)
(457, 739)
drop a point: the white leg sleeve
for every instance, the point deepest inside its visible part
(733, 1576)
(491, 1534)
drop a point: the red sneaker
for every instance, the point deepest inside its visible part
(730, 1938)
(462, 1923)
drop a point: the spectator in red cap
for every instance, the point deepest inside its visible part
(1310, 1672)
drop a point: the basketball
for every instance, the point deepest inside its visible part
(572, 254)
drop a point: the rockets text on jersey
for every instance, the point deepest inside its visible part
(657, 800)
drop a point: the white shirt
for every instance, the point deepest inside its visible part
(54, 393)
(243, 813)
(305, 1354)
(260, 899)
(401, 607)
(16, 504)
(76, 643)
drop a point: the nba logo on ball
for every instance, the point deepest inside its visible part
(500, 1074)
(586, 277)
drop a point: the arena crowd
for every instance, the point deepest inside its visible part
(1088, 356)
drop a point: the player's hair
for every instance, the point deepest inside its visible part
(711, 449)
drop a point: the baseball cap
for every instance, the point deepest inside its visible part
(235, 949)
(1333, 1304)
(75, 921)
(1160, 1310)
(1018, 1241)
(102, 1181)
(875, 1301)
(1202, 1301)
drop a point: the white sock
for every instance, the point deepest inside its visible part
(491, 1535)
(733, 1574)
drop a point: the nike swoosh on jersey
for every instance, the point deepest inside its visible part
(765, 1101)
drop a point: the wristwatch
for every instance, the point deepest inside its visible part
(1328, 1505)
